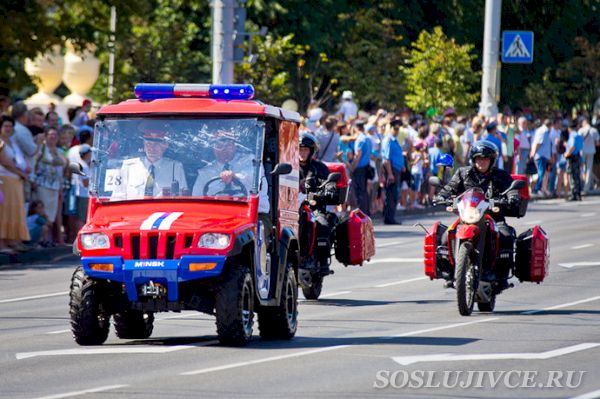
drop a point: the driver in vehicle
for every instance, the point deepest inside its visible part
(480, 174)
(152, 175)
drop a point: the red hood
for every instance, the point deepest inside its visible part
(171, 216)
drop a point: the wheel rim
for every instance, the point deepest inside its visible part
(290, 304)
(470, 286)
(247, 310)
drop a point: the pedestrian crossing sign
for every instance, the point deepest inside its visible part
(517, 47)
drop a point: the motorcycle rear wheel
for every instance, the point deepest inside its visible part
(314, 291)
(466, 284)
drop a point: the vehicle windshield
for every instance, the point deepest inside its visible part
(166, 158)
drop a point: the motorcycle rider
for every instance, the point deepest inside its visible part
(480, 174)
(313, 174)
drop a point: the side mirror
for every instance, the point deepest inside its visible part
(333, 177)
(76, 168)
(435, 181)
(282, 169)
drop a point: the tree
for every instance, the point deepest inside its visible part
(439, 73)
(581, 74)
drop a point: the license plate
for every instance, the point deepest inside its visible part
(154, 290)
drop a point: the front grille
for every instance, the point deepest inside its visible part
(155, 245)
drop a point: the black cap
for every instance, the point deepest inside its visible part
(491, 126)
(396, 122)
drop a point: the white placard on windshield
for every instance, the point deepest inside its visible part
(113, 179)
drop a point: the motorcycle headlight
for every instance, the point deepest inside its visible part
(470, 215)
(214, 241)
(95, 241)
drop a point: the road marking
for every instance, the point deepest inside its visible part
(326, 349)
(58, 332)
(583, 246)
(589, 395)
(587, 215)
(449, 326)
(85, 391)
(564, 305)
(29, 298)
(111, 351)
(534, 222)
(579, 264)
(265, 360)
(396, 260)
(402, 282)
(335, 294)
(389, 244)
(451, 357)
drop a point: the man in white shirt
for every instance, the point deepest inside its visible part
(151, 175)
(590, 140)
(348, 110)
(234, 169)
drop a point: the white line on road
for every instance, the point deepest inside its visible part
(564, 305)
(85, 391)
(589, 395)
(408, 334)
(451, 357)
(58, 332)
(335, 294)
(111, 351)
(29, 298)
(326, 349)
(389, 244)
(267, 359)
(396, 260)
(579, 264)
(588, 215)
(583, 246)
(402, 282)
(533, 222)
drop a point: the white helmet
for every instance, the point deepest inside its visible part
(347, 95)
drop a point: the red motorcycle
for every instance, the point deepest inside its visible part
(461, 252)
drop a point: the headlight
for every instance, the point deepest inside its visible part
(214, 241)
(470, 215)
(95, 241)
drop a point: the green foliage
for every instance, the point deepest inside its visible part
(439, 73)
(581, 74)
(542, 97)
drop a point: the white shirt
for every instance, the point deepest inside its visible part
(134, 174)
(542, 137)
(348, 109)
(590, 137)
(523, 137)
(241, 167)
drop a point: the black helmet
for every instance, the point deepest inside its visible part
(485, 149)
(309, 141)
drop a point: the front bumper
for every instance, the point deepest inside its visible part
(168, 272)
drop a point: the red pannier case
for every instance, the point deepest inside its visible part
(355, 239)
(532, 260)
(344, 181)
(430, 251)
(524, 192)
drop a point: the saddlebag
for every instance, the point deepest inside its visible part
(435, 254)
(355, 239)
(532, 260)
(524, 193)
(343, 183)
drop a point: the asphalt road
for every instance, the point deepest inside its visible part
(379, 330)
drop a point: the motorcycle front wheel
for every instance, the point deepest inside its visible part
(466, 279)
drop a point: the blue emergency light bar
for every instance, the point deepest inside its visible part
(154, 91)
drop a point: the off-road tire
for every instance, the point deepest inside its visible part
(281, 322)
(133, 324)
(465, 279)
(234, 306)
(89, 324)
(487, 306)
(314, 291)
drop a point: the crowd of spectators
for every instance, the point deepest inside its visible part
(558, 152)
(41, 203)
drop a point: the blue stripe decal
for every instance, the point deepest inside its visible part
(158, 221)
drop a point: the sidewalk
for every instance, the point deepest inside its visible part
(57, 253)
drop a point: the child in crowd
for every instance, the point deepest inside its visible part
(38, 225)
